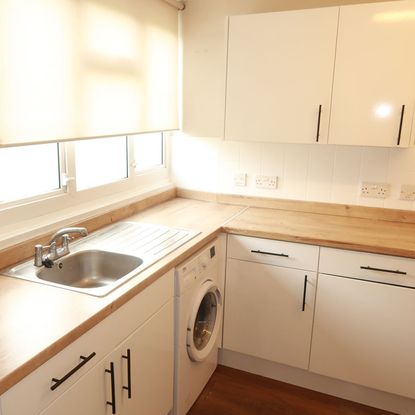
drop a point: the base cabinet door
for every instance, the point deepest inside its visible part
(269, 312)
(151, 366)
(93, 394)
(364, 333)
(136, 378)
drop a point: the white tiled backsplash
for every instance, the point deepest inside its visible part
(324, 173)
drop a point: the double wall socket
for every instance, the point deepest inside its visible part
(376, 190)
(239, 179)
(408, 192)
(266, 182)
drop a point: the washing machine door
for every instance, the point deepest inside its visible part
(204, 321)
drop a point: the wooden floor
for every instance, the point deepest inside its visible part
(232, 392)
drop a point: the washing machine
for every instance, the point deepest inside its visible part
(199, 283)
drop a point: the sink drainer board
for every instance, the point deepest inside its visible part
(147, 243)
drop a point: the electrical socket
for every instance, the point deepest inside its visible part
(408, 192)
(239, 179)
(266, 182)
(375, 190)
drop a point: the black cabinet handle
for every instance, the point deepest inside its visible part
(268, 253)
(318, 123)
(400, 124)
(384, 270)
(305, 291)
(85, 360)
(128, 387)
(112, 403)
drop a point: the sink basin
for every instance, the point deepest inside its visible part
(90, 269)
(105, 259)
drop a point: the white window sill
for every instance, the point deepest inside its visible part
(19, 231)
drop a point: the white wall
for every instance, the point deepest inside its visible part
(322, 173)
(202, 161)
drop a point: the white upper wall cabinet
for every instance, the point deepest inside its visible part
(280, 72)
(374, 82)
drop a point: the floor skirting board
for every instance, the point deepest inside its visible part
(303, 378)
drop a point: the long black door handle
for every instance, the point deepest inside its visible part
(128, 387)
(305, 291)
(85, 360)
(268, 253)
(112, 402)
(400, 124)
(318, 123)
(391, 271)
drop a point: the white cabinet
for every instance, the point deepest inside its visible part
(281, 86)
(280, 71)
(151, 349)
(144, 325)
(90, 394)
(268, 308)
(142, 369)
(364, 329)
(374, 75)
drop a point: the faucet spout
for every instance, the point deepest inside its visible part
(66, 231)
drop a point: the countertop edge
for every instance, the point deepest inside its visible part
(32, 364)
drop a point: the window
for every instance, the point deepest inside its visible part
(34, 171)
(100, 161)
(28, 171)
(148, 151)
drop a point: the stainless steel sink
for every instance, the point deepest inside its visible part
(90, 269)
(104, 260)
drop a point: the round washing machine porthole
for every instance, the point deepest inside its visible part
(204, 322)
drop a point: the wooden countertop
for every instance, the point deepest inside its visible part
(37, 321)
(358, 234)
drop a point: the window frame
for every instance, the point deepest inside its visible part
(86, 200)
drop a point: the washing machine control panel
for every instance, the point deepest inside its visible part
(194, 269)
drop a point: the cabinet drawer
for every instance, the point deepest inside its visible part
(373, 267)
(33, 393)
(268, 251)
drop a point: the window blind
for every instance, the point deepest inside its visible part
(72, 69)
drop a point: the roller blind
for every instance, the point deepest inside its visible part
(72, 69)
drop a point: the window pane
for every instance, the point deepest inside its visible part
(148, 150)
(28, 171)
(100, 161)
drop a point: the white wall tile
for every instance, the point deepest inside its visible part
(250, 161)
(306, 172)
(320, 173)
(346, 174)
(196, 164)
(375, 164)
(296, 160)
(228, 165)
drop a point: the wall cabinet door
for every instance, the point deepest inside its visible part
(364, 333)
(374, 75)
(264, 315)
(280, 70)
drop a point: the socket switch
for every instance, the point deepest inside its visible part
(375, 190)
(408, 192)
(266, 182)
(239, 179)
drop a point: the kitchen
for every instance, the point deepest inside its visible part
(302, 180)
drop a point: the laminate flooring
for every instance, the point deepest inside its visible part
(233, 392)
